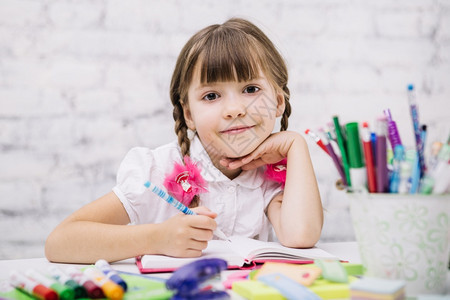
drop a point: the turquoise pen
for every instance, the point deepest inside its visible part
(178, 205)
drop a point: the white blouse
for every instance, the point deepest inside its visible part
(240, 203)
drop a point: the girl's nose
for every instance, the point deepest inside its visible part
(234, 108)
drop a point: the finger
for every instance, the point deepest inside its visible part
(254, 164)
(202, 222)
(202, 235)
(230, 163)
(197, 245)
(191, 253)
(204, 211)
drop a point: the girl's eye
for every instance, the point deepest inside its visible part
(251, 89)
(211, 96)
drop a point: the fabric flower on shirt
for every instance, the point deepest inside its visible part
(277, 172)
(185, 181)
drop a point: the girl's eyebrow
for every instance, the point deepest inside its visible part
(211, 84)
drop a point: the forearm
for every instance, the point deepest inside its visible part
(86, 241)
(299, 216)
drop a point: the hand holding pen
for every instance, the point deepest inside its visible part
(178, 205)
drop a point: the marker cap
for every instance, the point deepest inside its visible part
(80, 292)
(45, 292)
(353, 145)
(93, 290)
(112, 291)
(64, 292)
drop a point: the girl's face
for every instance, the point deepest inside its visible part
(232, 118)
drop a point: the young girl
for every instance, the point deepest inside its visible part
(228, 88)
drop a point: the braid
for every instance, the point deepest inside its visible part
(183, 140)
(287, 110)
(181, 129)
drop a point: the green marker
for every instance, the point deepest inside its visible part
(358, 174)
(342, 147)
(63, 278)
(64, 292)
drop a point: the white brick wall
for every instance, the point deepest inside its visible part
(81, 82)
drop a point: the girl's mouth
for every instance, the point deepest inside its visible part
(236, 129)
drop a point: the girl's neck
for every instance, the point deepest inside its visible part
(231, 174)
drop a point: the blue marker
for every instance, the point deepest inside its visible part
(178, 205)
(110, 273)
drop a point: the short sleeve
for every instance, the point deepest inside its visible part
(132, 174)
(270, 190)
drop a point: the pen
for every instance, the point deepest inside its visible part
(394, 137)
(31, 286)
(342, 146)
(415, 176)
(109, 288)
(415, 121)
(333, 156)
(110, 273)
(316, 139)
(178, 205)
(368, 155)
(93, 290)
(64, 293)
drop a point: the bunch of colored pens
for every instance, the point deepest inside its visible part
(94, 282)
(362, 159)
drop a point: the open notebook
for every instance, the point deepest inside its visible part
(240, 252)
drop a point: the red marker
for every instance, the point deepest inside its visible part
(317, 139)
(369, 157)
(93, 290)
(32, 287)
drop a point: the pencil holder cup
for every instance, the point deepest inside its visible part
(404, 237)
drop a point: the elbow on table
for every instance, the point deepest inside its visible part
(51, 249)
(300, 239)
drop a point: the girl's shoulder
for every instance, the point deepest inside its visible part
(158, 156)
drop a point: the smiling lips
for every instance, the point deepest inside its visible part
(236, 129)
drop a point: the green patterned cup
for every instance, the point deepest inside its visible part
(404, 237)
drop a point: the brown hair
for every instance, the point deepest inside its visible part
(233, 51)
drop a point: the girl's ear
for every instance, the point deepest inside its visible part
(187, 116)
(280, 104)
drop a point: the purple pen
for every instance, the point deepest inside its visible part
(333, 155)
(381, 159)
(394, 137)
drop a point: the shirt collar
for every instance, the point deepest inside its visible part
(250, 179)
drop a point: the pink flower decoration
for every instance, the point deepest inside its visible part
(185, 181)
(277, 172)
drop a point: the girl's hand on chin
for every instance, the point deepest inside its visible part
(272, 150)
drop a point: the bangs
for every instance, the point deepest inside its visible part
(229, 55)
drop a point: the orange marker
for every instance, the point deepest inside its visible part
(110, 289)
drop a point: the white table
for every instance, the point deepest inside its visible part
(347, 251)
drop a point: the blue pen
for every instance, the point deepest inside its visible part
(178, 205)
(373, 142)
(105, 267)
(415, 121)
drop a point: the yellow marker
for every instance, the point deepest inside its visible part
(110, 289)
